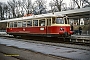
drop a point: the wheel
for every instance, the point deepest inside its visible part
(15, 36)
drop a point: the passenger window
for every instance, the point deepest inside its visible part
(24, 24)
(35, 22)
(29, 23)
(11, 24)
(19, 24)
(15, 24)
(42, 22)
(59, 21)
(53, 20)
(48, 22)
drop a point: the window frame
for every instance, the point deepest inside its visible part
(44, 22)
(33, 22)
(24, 24)
(18, 22)
(49, 21)
(10, 25)
(60, 20)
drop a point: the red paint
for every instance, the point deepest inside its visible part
(41, 30)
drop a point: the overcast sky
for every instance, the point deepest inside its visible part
(3, 0)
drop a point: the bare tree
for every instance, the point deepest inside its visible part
(58, 5)
(53, 7)
(86, 1)
(77, 3)
(39, 7)
(2, 10)
(19, 9)
(5, 8)
(81, 3)
(71, 5)
(12, 5)
(27, 6)
(51, 4)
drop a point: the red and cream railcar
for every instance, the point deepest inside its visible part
(39, 25)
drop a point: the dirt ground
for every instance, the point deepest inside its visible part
(13, 53)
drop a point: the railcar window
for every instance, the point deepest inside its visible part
(59, 21)
(35, 22)
(48, 22)
(42, 22)
(24, 24)
(53, 20)
(19, 24)
(29, 23)
(11, 24)
(15, 24)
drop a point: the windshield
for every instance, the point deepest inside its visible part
(59, 21)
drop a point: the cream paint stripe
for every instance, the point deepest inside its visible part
(60, 25)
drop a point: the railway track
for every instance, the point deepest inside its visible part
(74, 39)
(55, 40)
(51, 41)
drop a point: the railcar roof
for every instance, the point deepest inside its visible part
(33, 17)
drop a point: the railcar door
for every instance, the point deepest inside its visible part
(42, 26)
(48, 25)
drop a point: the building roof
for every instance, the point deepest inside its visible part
(80, 13)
